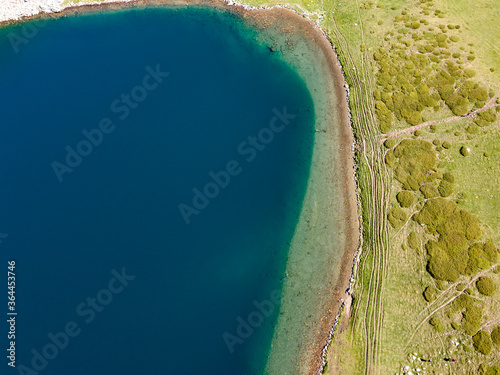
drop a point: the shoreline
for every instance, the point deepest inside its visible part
(332, 93)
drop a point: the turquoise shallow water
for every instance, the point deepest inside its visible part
(175, 95)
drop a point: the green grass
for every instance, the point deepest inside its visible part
(480, 22)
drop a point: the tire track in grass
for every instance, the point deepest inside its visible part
(375, 186)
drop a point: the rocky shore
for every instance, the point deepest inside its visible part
(11, 10)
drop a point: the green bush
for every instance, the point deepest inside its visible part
(397, 217)
(445, 90)
(457, 104)
(495, 370)
(446, 145)
(390, 143)
(440, 264)
(429, 191)
(449, 255)
(469, 73)
(491, 251)
(478, 259)
(430, 293)
(472, 317)
(477, 94)
(472, 129)
(487, 116)
(384, 116)
(390, 159)
(445, 188)
(413, 241)
(464, 151)
(437, 323)
(416, 163)
(495, 335)
(486, 286)
(405, 198)
(447, 176)
(482, 342)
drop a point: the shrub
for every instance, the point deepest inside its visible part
(440, 264)
(457, 104)
(482, 342)
(405, 198)
(477, 260)
(472, 317)
(390, 159)
(416, 163)
(445, 188)
(491, 251)
(486, 286)
(390, 143)
(429, 191)
(436, 142)
(469, 73)
(412, 117)
(472, 129)
(430, 293)
(413, 241)
(488, 116)
(495, 335)
(460, 287)
(495, 370)
(478, 94)
(447, 176)
(437, 323)
(445, 90)
(464, 151)
(397, 217)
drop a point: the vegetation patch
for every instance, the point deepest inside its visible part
(405, 198)
(482, 342)
(430, 293)
(495, 335)
(486, 286)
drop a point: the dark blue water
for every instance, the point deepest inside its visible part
(177, 95)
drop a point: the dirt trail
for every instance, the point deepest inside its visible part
(491, 104)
